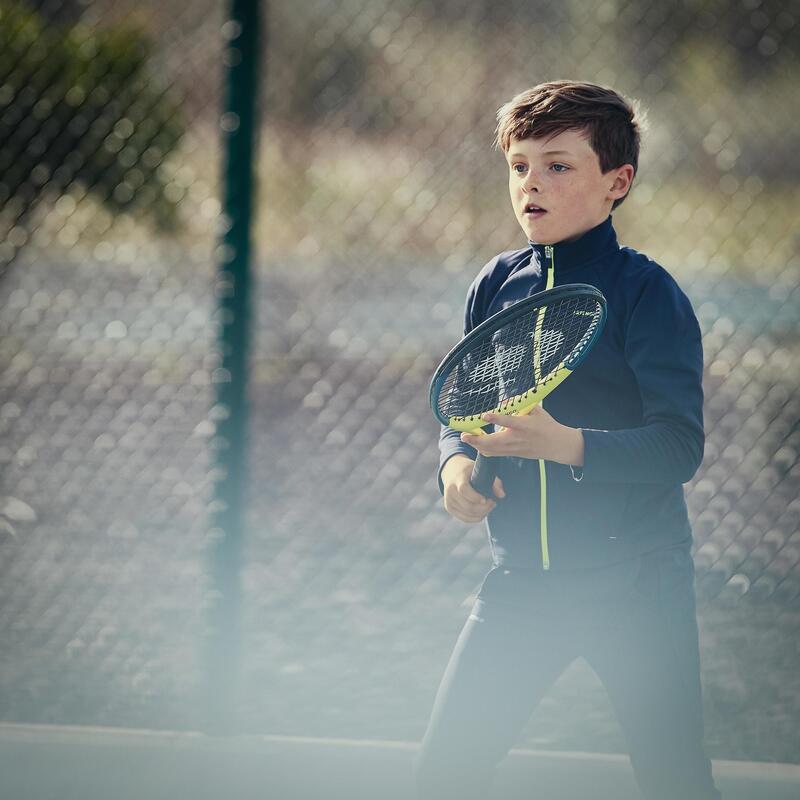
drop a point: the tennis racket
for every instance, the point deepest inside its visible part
(513, 360)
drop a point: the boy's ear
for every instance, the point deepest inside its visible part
(622, 178)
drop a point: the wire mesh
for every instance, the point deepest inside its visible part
(380, 198)
(108, 358)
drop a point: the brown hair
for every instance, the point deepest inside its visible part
(612, 123)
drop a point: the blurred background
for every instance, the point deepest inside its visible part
(379, 198)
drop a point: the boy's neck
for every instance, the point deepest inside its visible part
(587, 247)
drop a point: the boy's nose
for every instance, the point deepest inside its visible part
(531, 183)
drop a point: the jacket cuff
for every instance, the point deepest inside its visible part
(591, 438)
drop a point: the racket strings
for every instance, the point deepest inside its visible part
(519, 356)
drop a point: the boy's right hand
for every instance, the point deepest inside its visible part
(460, 499)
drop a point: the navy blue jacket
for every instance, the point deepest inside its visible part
(637, 397)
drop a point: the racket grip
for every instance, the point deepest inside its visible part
(483, 475)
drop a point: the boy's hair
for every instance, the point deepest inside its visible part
(612, 123)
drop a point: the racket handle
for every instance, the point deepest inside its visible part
(483, 475)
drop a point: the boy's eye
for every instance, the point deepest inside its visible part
(518, 168)
(559, 167)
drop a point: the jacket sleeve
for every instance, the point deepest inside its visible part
(663, 348)
(450, 442)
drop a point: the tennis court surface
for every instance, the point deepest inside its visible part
(64, 763)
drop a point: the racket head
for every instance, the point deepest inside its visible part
(514, 359)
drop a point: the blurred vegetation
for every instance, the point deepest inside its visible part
(80, 112)
(379, 119)
(390, 66)
(394, 103)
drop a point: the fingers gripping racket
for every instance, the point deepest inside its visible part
(513, 360)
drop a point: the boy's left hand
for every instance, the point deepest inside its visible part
(534, 435)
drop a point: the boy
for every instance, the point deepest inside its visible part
(588, 525)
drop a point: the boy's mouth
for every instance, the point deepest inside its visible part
(532, 210)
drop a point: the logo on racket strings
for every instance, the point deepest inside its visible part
(509, 361)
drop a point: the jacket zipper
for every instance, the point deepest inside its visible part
(551, 270)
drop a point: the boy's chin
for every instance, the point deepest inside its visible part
(542, 240)
(553, 238)
(536, 235)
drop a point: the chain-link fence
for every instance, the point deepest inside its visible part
(379, 199)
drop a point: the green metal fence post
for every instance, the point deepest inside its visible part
(238, 125)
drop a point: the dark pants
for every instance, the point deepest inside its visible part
(634, 623)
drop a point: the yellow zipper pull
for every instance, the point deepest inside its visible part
(549, 252)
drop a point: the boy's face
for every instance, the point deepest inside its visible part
(557, 188)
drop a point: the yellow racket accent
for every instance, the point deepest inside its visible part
(537, 344)
(518, 405)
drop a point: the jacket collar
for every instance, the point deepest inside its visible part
(589, 247)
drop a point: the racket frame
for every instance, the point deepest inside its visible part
(522, 403)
